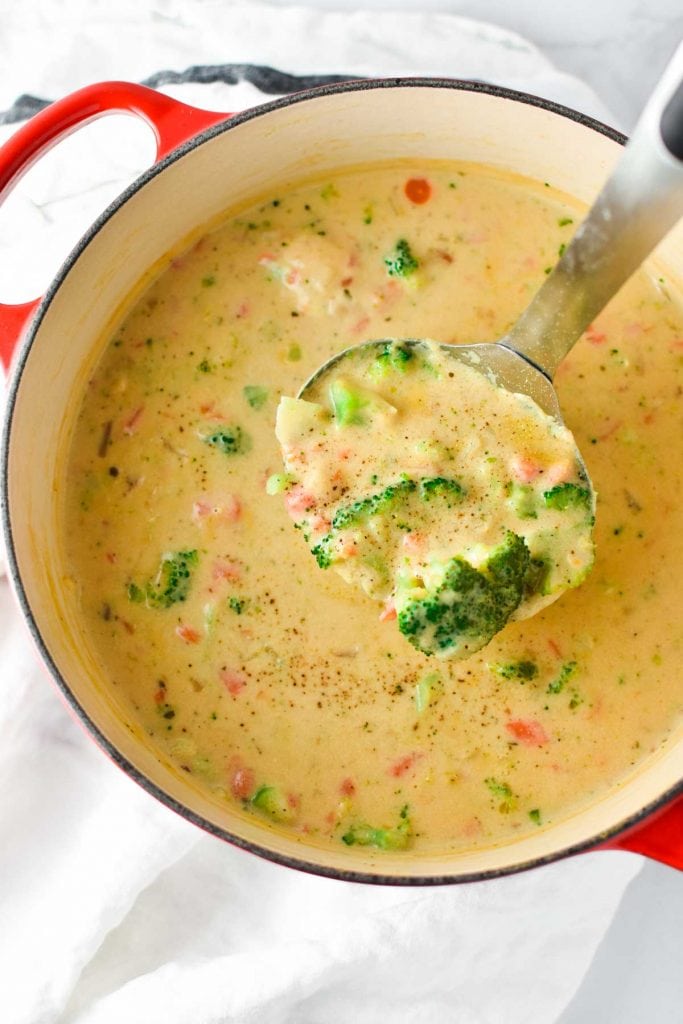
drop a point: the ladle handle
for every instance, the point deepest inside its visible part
(640, 202)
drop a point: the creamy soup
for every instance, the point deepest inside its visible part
(458, 504)
(274, 685)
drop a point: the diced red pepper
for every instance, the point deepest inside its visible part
(297, 501)
(418, 190)
(188, 634)
(404, 764)
(233, 681)
(527, 731)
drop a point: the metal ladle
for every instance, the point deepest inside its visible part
(640, 202)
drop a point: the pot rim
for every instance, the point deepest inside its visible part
(286, 860)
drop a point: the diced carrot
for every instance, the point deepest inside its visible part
(188, 634)
(242, 310)
(360, 325)
(228, 508)
(297, 501)
(111, 557)
(208, 409)
(389, 612)
(525, 469)
(559, 472)
(320, 524)
(404, 764)
(223, 569)
(527, 731)
(233, 681)
(413, 542)
(554, 648)
(418, 190)
(595, 337)
(347, 787)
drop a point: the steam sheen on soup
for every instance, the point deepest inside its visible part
(277, 688)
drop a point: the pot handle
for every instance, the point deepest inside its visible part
(171, 121)
(660, 837)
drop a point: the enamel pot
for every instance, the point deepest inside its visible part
(207, 163)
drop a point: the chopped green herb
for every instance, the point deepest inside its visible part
(563, 221)
(367, 215)
(238, 604)
(535, 816)
(204, 366)
(208, 281)
(294, 353)
(329, 192)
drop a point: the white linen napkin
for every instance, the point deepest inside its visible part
(113, 909)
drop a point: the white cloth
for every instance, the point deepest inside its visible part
(112, 909)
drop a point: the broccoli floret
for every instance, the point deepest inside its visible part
(503, 792)
(396, 838)
(522, 670)
(255, 395)
(522, 499)
(470, 605)
(238, 604)
(567, 672)
(401, 262)
(441, 487)
(386, 501)
(171, 583)
(273, 802)
(394, 356)
(229, 440)
(323, 551)
(373, 505)
(565, 496)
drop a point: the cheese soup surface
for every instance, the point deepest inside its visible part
(277, 688)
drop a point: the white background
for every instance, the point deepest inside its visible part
(617, 47)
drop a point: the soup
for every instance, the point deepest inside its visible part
(274, 686)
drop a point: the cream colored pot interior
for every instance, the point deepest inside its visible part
(265, 153)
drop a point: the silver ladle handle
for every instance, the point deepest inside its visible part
(640, 202)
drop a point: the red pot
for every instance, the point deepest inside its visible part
(207, 162)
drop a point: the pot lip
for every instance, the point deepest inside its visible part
(286, 860)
